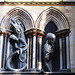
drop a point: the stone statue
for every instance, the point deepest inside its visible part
(20, 45)
(49, 50)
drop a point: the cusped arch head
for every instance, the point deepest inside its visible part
(52, 14)
(17, 14)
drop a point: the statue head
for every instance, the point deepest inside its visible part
(50, 38)
(16, 25)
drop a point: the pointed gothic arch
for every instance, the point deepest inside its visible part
(17, 14)
(52, 14)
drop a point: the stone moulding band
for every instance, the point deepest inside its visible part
(39, 3)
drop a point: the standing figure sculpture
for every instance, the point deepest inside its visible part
(49, 50)
(20, 45)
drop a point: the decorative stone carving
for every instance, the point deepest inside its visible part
(49, 50)
(20, 45)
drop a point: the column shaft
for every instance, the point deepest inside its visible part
(34, 52)
(8, 49)
(4, 51)
(61, 59)
(28, 59)
(40, 53)
(1, 51)
(64, 51)
(67, 52)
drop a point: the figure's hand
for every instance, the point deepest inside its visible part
(47, 57)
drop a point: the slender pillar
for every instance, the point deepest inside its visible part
(64, 51)
(67, 52)
(64, 48)
(61, 58)
(40, 53)
(28, 61)
(8, 49)
(4, 51)
(34, 52)
(30, 52)
(1, 51)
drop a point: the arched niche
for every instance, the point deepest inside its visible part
(52, 28)
(8, 45)
(62, 35)
(17, 14)
(52, 14)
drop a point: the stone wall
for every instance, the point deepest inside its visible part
(35, 11)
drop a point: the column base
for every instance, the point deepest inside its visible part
(34, 70)
(2, 69)
(65, 70)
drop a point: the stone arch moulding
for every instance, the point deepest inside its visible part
(52, 14)
(17, 13)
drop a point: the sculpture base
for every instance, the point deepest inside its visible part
(33, 71)
(2, 69)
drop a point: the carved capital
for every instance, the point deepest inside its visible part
(34, 31)
(5, 33)
(64, 32)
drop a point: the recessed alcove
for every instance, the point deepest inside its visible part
(52, 28)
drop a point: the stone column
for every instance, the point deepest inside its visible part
(8, 50)
(64, 48)
(34, 56)
(1, 51)
(4, 51)
(28, 55)
(40, 53)
(64, 52)
(67, 52)
(61, 58)
(34, 52)
(8, 47)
